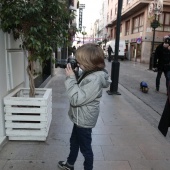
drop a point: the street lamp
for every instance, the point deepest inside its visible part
(84, 33)
(155, 9)
(115, 63)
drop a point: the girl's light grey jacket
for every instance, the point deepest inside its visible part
(85, 97)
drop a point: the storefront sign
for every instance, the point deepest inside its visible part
(80, 18)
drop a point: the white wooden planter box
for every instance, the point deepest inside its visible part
(28, 118)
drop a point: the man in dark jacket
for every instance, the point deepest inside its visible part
(110, 51)
(162, 62)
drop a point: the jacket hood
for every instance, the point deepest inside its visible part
(104, 78)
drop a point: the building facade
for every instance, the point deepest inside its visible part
(136, 28)
(12, 72)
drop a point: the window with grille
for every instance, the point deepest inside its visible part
(127, 27)
(137, 24)
(115, 9)
(164, 20)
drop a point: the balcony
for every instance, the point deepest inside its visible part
(129, 9)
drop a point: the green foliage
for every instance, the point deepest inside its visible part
(41, 24)
(84, 33)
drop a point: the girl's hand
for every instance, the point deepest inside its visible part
(69, 71)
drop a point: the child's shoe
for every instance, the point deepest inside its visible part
(64, 165)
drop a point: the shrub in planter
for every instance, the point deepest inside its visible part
(40, 24)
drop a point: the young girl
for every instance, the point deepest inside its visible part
(84, 95)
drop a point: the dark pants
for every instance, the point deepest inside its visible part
(158, 77)
(109, 56)
(81, 138)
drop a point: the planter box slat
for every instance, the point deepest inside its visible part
(28, 138)
(28, 118)
(25, 102)
(25, 110)
(26, 125)
(26, 132)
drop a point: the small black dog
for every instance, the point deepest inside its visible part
(144, 87)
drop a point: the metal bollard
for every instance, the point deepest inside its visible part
(151, 63)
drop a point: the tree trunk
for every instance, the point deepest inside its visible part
(31, 79)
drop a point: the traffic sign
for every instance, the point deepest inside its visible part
(82, 6)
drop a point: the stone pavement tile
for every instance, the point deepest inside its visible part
(59, 101)
(2, 164)
(78, 165)
(119, 153)
(133, 139)
(111, 165)
(60, 117)
(97, 150)
(42, 152)
(58, 139)
(119, 120)
(155, 151)
(14, 150)
(99, 122)
(60, 105)
(58, 129)
(124, 130)
(117, 103)
(118, 110)
(34, 152)
(101, 140)
(150, 165)
(162, 139)
(98, 153)
(105, 165)
(30, 165)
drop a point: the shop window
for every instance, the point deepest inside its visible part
(116, 9)
(127, 27)
(164, 20)
(115, 32)
(138, 24)
(111, 33)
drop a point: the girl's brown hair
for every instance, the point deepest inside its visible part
(91, 56)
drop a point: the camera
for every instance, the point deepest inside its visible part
(62, 63)
(73, 62)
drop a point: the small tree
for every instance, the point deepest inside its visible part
(40, 24)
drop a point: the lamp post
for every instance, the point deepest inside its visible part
(105, 40)
(155, 10)
(115, 63)
(84, 33)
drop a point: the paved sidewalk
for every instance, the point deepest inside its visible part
(122, 138)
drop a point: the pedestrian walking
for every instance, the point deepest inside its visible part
(110, 51)
(84, 95)
(162, 61)
(74, 50)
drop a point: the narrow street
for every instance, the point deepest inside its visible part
(130, 75)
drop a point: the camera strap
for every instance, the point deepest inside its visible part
(86, 74)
